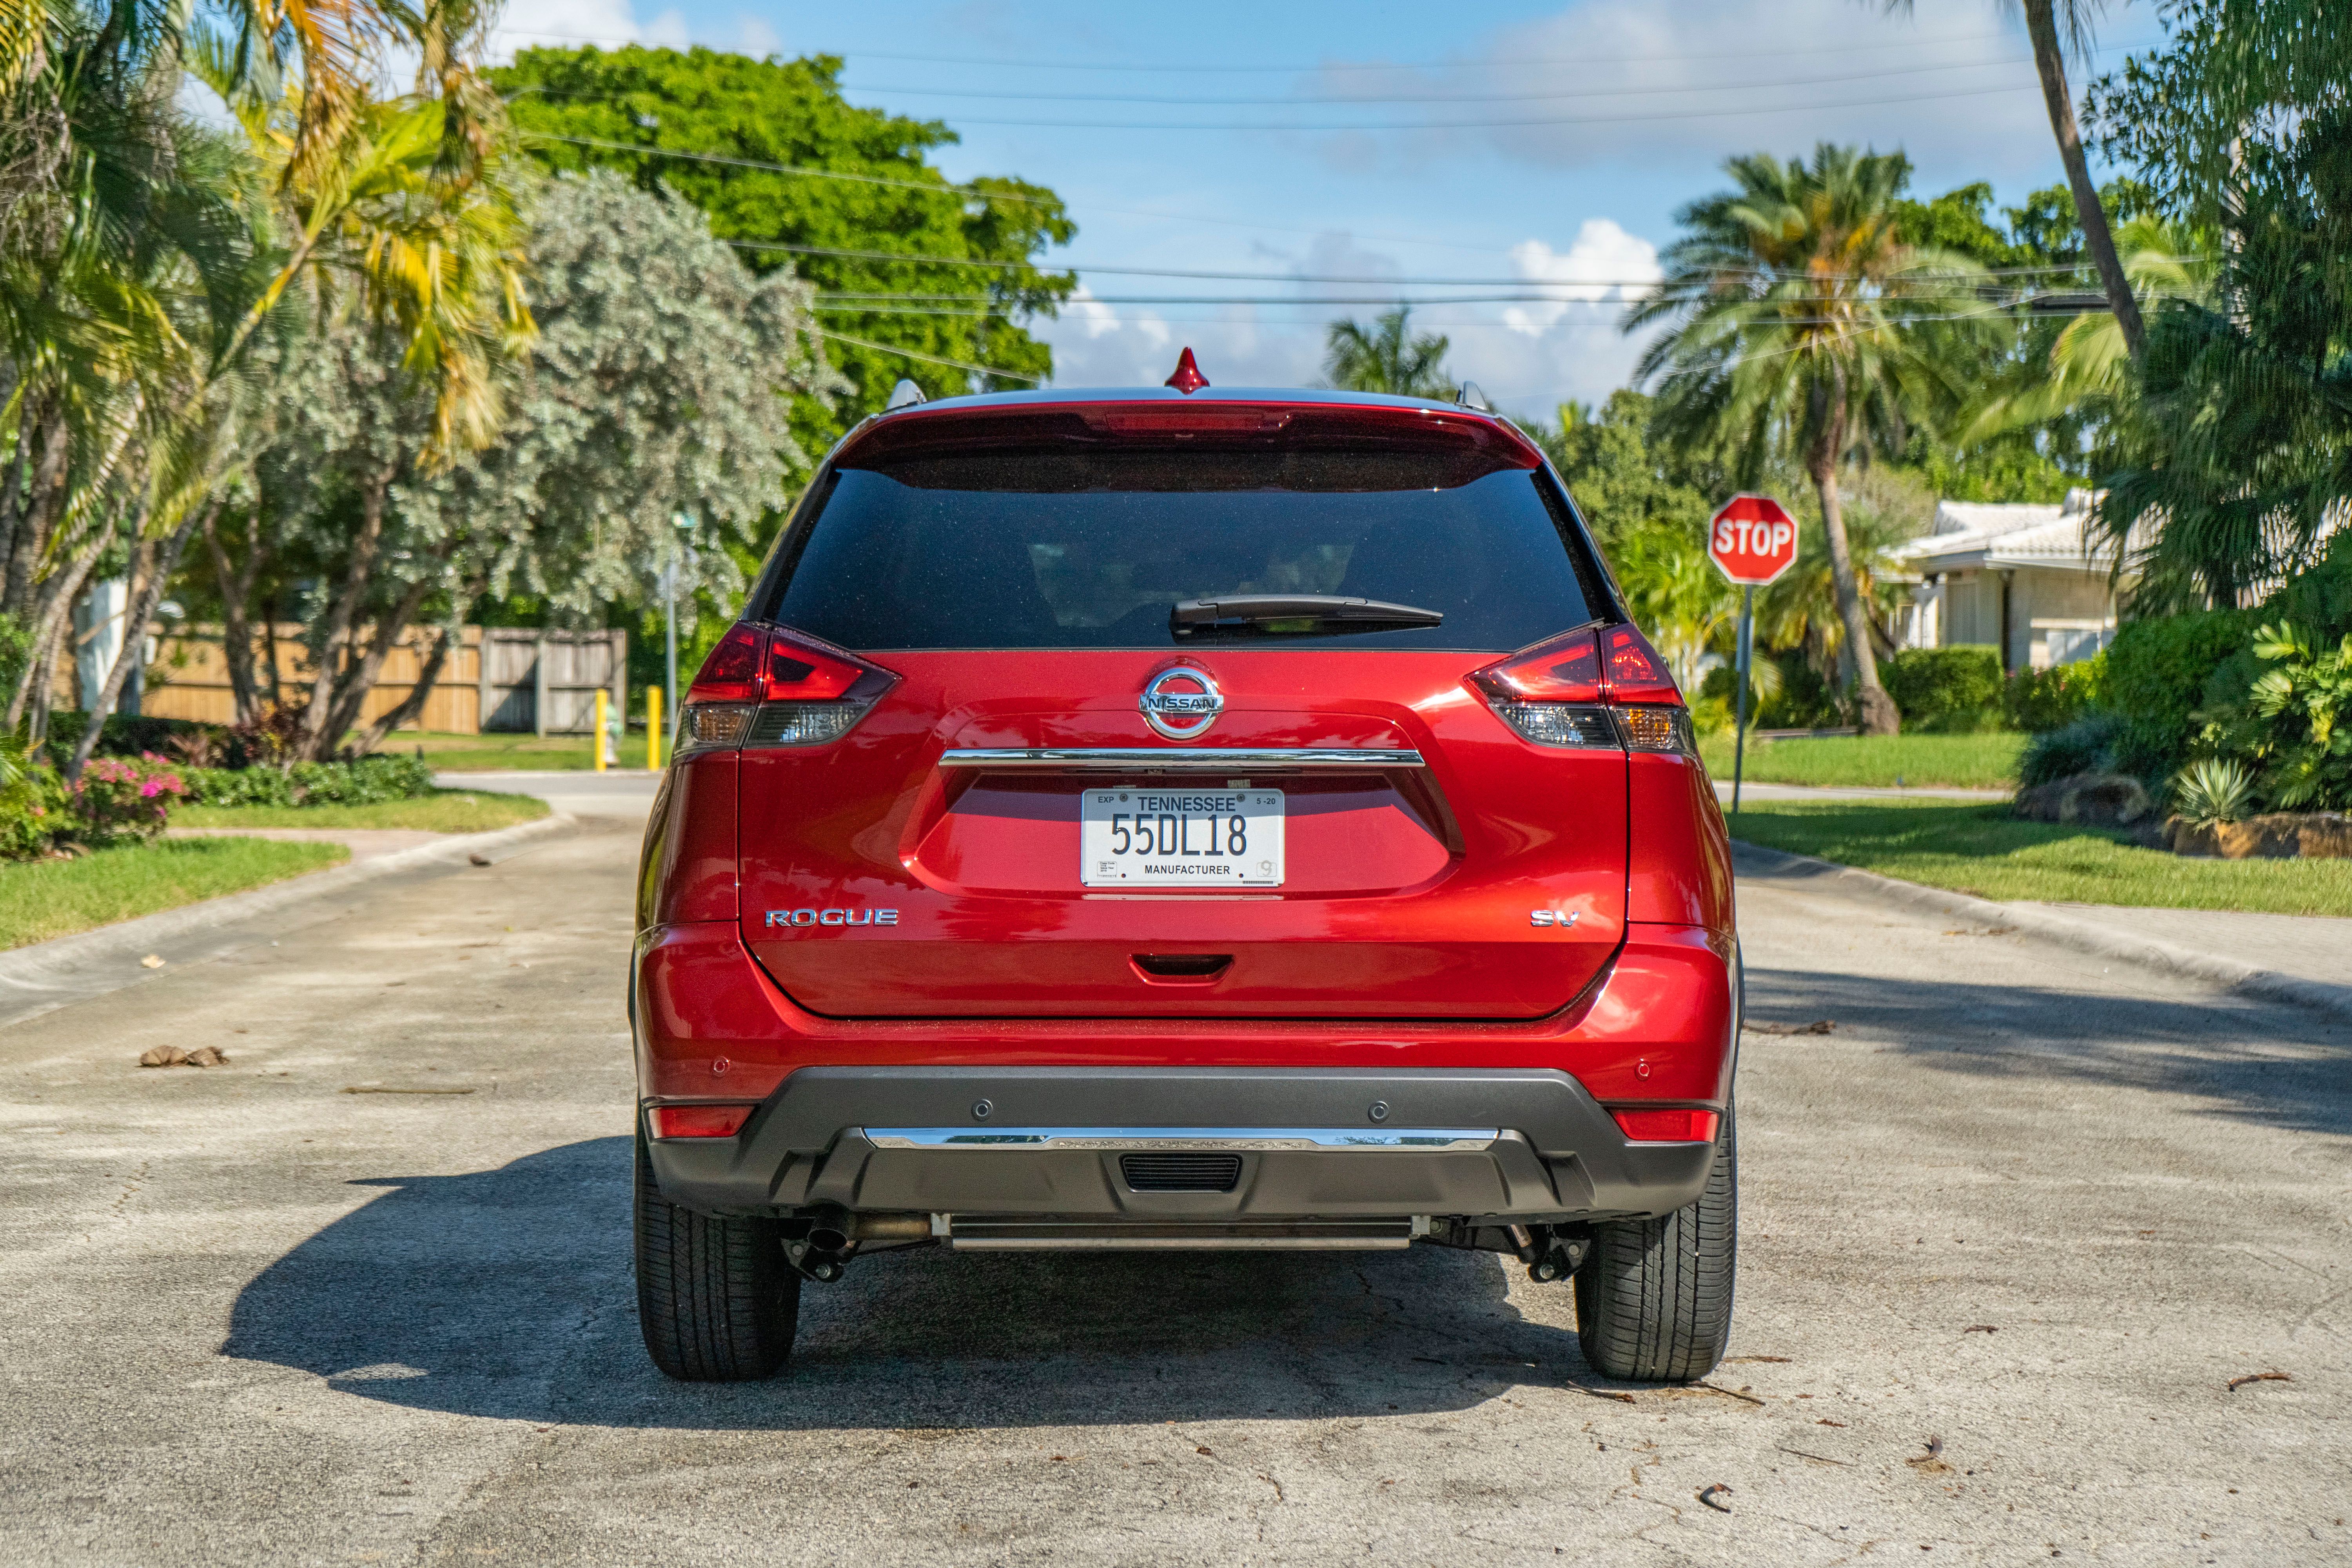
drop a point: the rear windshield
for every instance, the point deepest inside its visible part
(1070, 549)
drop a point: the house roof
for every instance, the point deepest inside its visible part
(1994, 534)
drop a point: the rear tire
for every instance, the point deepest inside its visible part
(715, 1296)
(1653, 1301)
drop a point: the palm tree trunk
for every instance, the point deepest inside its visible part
(2096, 237)
(1875, 709)
(162, 561)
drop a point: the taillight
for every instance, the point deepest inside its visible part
(1676, 1126)
(768, 687)
(1599, 686)
(698, 1120)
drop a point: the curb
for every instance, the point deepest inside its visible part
(44, 963)
(2083, 936)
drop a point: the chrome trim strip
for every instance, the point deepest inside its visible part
(1166, 759)
(1188, 1139)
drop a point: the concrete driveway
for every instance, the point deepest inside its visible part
(2011, 1233)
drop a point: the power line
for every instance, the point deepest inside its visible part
(928, 359)
(1162, 68)
(1491, 124)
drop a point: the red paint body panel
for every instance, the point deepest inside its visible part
(686, 871)
(1681, 873)
(1657, 1027)
(1407, 894)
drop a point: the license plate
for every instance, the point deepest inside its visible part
(1180, 838)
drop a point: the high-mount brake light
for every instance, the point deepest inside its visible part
(766, 686)
(1674, 1126)
(1603, 686)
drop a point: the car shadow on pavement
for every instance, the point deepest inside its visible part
(2275, 1063)
(507, 1293)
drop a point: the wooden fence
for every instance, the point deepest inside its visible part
(507, 679)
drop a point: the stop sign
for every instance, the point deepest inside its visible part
(1752, 540)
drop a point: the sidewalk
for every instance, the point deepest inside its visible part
(1754, 790)
(2309, 947)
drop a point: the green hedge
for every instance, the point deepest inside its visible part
(1946, 690)
(2039, 700)
(367, 781)
(2158, 670)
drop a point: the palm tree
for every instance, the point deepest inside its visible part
(1386, 356)
(2058, 28)
(1804, 327)
(2087, 362)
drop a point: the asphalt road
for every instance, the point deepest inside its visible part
(2010, 1232)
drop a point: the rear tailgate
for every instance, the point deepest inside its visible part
(1407, 891)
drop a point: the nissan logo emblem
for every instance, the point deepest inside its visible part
(1182, 703)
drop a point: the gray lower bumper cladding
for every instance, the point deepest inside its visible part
(994, 1150)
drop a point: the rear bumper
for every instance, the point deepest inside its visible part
(1497, 1146)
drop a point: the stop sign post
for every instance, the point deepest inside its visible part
(1752, 540)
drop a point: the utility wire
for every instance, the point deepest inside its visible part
(1743, 112)
(1160, 67)
(926, 359)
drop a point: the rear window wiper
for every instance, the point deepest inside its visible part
(1281, 612)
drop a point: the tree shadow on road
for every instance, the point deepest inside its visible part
(507, 1293)
(2273, 1063)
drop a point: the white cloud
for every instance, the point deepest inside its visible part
(1637, 81)
(1603, 266)
(561, 24)
(759, 39)
(668, 31)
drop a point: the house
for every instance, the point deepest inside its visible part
(2033, 580)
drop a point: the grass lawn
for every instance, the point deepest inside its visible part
(42, 899)
(1983, 850)
(1952, 762)
(535, 752)
(443, 811)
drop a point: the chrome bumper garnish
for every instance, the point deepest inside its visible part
(1189, 1140)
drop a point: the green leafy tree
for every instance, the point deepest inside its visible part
(1387, 356)
(2236, 456)
(918, 277)
(1622, 482)
(652, 387)
(1801, 325)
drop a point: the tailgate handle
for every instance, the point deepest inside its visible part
(1181, 968)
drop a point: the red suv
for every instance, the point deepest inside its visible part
(1175, 817)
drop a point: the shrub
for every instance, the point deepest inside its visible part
(1805, 701)
(120, 800)
(239, 786)
(2085, 746)
(32, 803)
(2158, 673)
(2036, 700)
(1952, 689)
(366, 781)
(122, 734)
(2300, 731)
(2213, 790)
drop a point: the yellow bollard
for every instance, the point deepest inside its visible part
(653, 729)
(603, 699)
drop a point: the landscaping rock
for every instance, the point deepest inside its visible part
(2277, 835)
(2085, 799)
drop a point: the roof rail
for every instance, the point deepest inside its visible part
(1471, 397)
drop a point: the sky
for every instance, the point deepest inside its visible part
(1508, 144)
